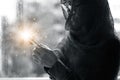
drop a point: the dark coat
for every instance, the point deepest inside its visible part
(90, 51)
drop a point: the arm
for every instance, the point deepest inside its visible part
(60, 70)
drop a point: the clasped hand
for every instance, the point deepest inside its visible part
(44, 56)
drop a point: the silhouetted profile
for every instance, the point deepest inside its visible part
(90, 51)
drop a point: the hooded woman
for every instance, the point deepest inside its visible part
(90, 51)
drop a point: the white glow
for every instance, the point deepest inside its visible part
(117, 27)
(115, 9)
(45, 3)
(26, 78)
(8, 9)
(26, 35)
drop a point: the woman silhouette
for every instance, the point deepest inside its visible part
(90, 51)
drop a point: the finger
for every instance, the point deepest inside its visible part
(45, 47)
(36, 51)
(41, 51)
(36, 56)
(36, 61)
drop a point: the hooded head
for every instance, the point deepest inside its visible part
(89, 19)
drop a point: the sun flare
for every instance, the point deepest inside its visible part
(26, 35)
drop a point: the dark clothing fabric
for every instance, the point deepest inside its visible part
(90, 51)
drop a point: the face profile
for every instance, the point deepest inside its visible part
(66, 7)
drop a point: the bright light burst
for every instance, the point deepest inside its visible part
(26, 35)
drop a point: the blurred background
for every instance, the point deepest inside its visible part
(46, 19)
